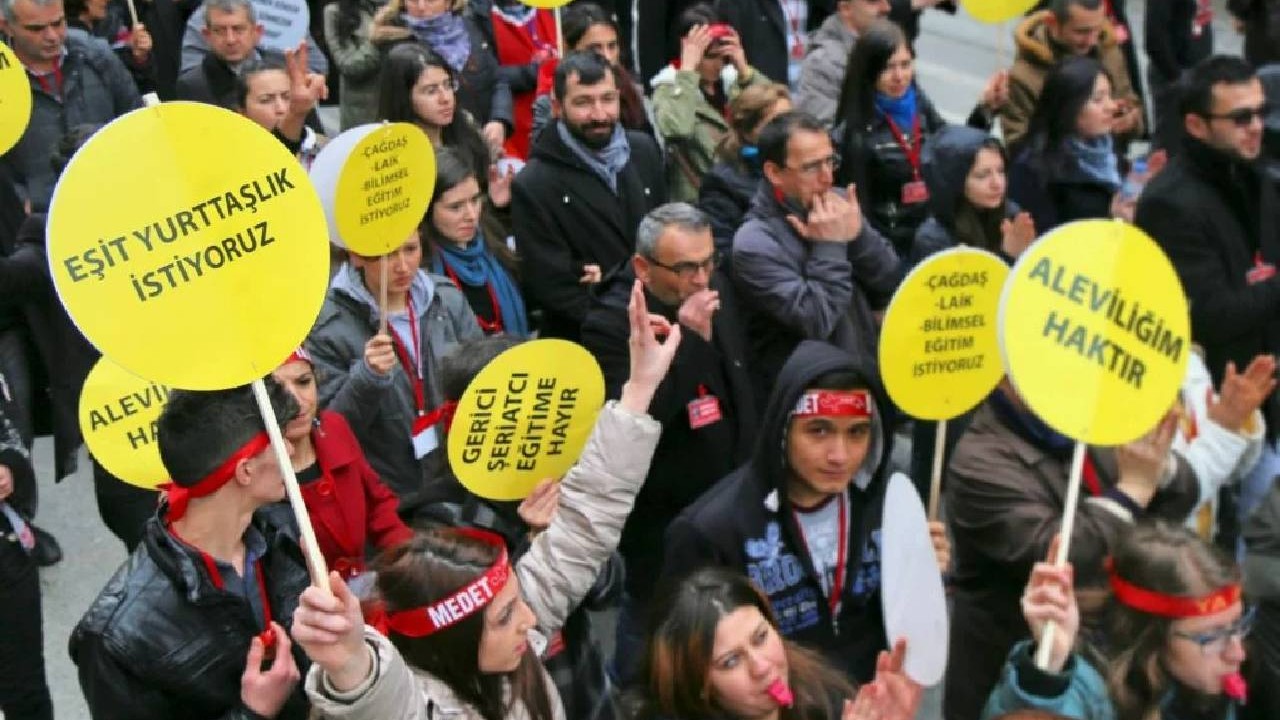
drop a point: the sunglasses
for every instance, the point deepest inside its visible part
(1243, 117)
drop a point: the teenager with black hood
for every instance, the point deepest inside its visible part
(803, 515)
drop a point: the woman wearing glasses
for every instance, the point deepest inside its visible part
(418, 86)
(1171, 643)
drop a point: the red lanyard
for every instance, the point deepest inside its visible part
(267, 636)
(793, 19)
(842, 553)
(490, 327)
(912, 149)
(406, 360)
(56, 90)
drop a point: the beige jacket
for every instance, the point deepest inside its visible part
(557, 571)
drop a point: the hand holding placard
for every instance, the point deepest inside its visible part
(1094, 331)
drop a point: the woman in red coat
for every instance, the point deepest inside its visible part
(350, 507)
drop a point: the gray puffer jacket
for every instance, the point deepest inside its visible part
(559, 568)
(822, 74)
(380, 408)
(96, 89)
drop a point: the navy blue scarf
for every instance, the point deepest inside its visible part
(901, 110)
(1031, 428)
(474, 265)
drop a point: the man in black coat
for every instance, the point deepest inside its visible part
(194, 624)
(1219, 221)
(704, 404)
(576, 205)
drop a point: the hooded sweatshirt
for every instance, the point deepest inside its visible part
(747, 523)
(946, 162)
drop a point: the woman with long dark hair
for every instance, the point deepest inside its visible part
(418, 86)
(466, 245)
(1172, 636)
(459, 614)
(714, 652)
(347, 24)
(1066, 168)
(883, 122)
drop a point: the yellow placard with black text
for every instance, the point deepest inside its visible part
(118, 414)
(525, 418)
(15, 99)
(1095, 332)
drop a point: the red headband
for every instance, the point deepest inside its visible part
(1171, 606)
(834, 403)
(178, 496)
(298, 355)
(462, 603)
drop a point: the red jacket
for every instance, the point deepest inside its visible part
(350, 507)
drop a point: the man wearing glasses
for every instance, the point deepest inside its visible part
(75, 80)
(806, 265)
(1218, 218)
(704, 404)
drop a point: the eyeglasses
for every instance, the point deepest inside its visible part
(433, 91)
(1215, 642)
(1243, 117)
(689, 270)
(810, 169)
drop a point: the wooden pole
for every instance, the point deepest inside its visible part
(382, 298)
(935, 480)
(1064, 546)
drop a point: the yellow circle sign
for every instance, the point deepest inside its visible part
(939, 351)
(118, 413)
(1095, 332)
(546, 4)
(998, 11)
(525, 418)
(195, 263)
(375, 182)
(15, 99)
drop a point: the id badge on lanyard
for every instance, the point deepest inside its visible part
(425, 436)
(915, 191)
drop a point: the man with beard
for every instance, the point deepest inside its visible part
(576, 206)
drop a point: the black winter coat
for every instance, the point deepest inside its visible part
(1262, 29)
(763, 30)
(725, 196)
(564, 216)
(1217, 219)
(687, 461)
(162, 642)
(873, 159)
(746, 523)
(1054, 202)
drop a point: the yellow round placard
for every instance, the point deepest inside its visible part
(525, 418)
(1095, 332)
(15, 99)
(546, 4)
(939, 350)
(376, 181)
(998, 11)
(118, 413)
(188, 245)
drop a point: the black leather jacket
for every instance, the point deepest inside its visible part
(161, 641)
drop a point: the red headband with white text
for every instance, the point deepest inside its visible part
(834, 403)
(463, 602)
(1171, 606)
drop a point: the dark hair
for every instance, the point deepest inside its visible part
(1061, 9)
(198, 430)
(1066, 90)
(465, 361)
(1166, 559)
(452, 169)
(429, 567)
(699, 14)
(869, 58)
(1196, 87)
(70, 143)
(849, 379)
(590, 68)
(681, 639)
(348, 20)
(401, 69)
(248, 70)
(579, 18)
(777, 134)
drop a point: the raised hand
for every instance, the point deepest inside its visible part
(1141, 463)
(380, 354)
(831, 218)
(266, 691)
(539, 508)
(996, 92)
(693, 46)
(1242, 394)
(891, 696)
(1016, 235)
(1050, 598)
(330, 628)
(697, 311)
(500, 186)
(650, 357)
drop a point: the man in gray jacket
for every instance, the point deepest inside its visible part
(807, 266)
(822, 74)
(75, 80)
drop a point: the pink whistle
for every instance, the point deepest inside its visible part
(780, 693)
(1235, 687)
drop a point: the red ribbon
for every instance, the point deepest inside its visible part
(458, 605)
(1171, 606)
(178, 496)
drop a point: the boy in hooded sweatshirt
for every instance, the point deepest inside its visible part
(802, 517)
